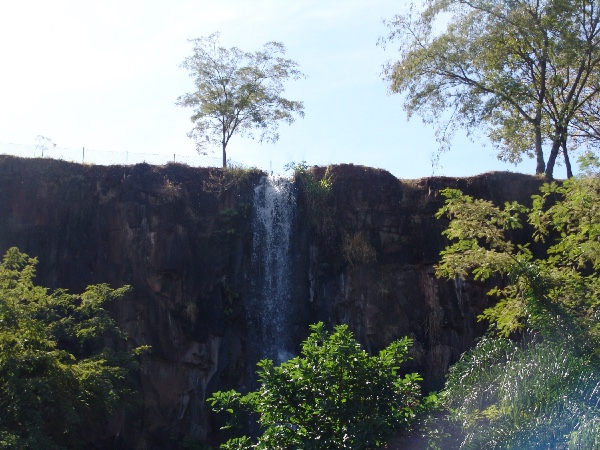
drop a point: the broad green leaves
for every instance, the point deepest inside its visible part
(55, 372)
(333, 396)
(238, 92)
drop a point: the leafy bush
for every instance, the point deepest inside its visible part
(534, 381)
(333, 396)
(534, 394)
(223, 180)
(316, 193)
(55, 372)
(357, 249)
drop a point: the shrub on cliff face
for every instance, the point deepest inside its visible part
(316, 193)
(55, 373)
(542, 390)
(333, 396)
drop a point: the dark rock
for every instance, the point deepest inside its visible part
(182, 238)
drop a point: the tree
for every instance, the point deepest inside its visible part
(55, 372)
(524, 71)
(238, 92)
(43, 143)
(534, 380)
(333, 396)
(535, 394)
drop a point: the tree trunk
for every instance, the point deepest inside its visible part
(552, 159)
(567, 160)
(539, 151)
(224, 154)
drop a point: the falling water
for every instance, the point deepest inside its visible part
(269, 307)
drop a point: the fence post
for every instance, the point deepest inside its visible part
(83, 156)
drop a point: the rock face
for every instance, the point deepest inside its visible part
(182, 238)
(397, 294)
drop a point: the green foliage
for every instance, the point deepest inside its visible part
(333, 396)
(234, 177)
(238, 92)
(316, 193)
(534, 395)
(524, 72)
(588, 163)
(55, 372)
(541, 392)
(230, 301)
(357, 250)
(319, 188)
(234, 185)
(302, 170)
(228, 218)
(473, 223)
(169, 191)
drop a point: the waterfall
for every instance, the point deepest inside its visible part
(269, 307)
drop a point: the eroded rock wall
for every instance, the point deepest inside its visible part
(179, 236)
(182, 238)
(395, 293)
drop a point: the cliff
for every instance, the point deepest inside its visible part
(182, 237)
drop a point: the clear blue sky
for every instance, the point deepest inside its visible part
(103, 74)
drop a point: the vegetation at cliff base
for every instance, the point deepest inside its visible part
(55, 371)
(534, 380)
(333, 396)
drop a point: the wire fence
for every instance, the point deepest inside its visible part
(108, 158)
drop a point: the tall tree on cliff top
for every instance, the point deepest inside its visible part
(526, 72)
(238, 92)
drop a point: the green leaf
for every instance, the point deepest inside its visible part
(334, 395)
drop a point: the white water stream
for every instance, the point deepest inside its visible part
(269, 308)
